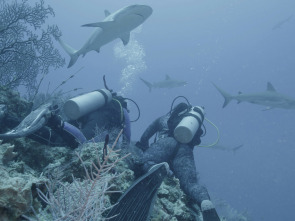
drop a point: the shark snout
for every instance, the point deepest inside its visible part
(143, 10)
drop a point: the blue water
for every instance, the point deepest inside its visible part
(231, 43)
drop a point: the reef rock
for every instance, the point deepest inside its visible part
(16, 188)
(26, 166)
(12, 106)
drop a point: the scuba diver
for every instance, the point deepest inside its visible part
(91, 116)
(177, 133)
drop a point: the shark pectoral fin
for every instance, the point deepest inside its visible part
(106, 13)
(125, 38)
(103, 25)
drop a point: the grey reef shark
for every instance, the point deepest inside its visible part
(167, 83)
(281, 23)
(223, 147)
(115, 25)
(270, 98)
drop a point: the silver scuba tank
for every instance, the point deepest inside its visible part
(189, 125)
(78, 106)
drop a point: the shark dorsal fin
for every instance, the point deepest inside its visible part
(270, 87)
(103, 24)
(167, 78)
(125, 38)
(106, 13)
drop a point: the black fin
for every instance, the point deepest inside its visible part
(137, 202)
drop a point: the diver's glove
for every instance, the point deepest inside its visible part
(208, 211)
(55, 121)
(141, 146)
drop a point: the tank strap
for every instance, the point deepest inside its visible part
(121, 110)
(198, 119)
(127, 127)
(196, 109)
(105, 96)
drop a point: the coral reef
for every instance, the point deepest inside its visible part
(17, 184)
(13, 107)
(33, 176)
(21, 174)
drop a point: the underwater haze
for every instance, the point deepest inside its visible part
(240, 45)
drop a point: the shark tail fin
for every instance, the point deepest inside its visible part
(147, 84)
(227, 96)
(70, 51)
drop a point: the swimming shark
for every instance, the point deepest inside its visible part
(115, 25)
(269, 98)
(167, 83)
(280, 23)
(223, 147)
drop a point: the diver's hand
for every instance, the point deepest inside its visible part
(141, 146)
(55, 121)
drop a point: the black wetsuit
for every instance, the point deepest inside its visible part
(179, 157)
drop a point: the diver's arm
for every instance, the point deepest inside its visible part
(149, 132)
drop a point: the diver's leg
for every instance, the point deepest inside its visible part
(184, 168)
(161, 151)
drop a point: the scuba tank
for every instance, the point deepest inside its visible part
(78, 106)
(186, 129)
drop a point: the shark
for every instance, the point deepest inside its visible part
(167, 83)
(281, 23)
(115, 25)
(223, 147)
(269, 98)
